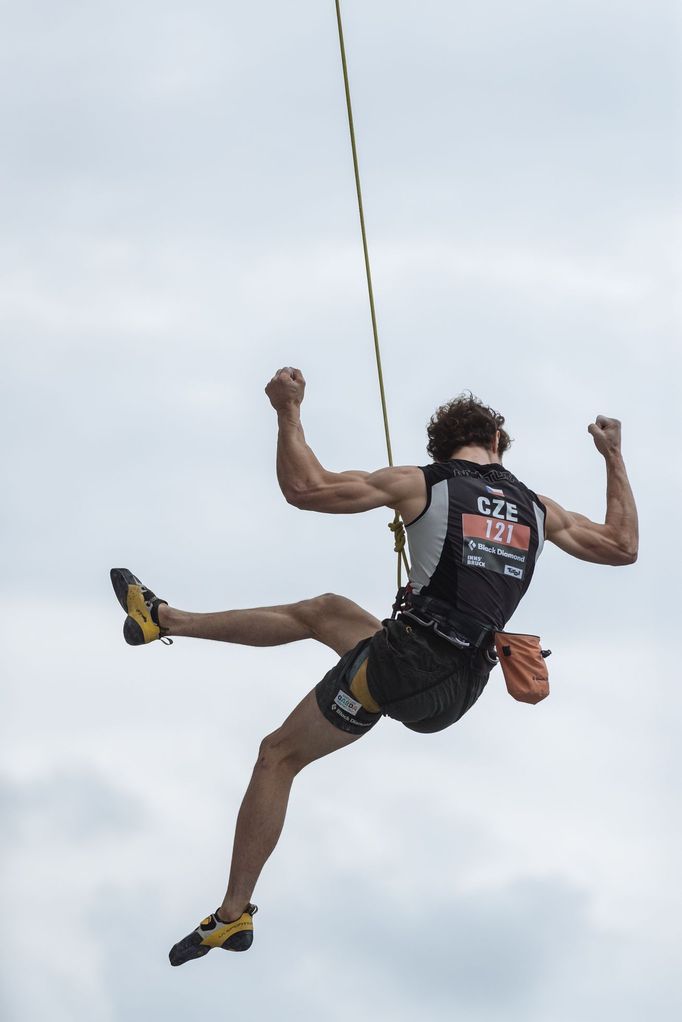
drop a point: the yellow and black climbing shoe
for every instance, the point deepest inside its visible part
(213, 932)
(142, 607)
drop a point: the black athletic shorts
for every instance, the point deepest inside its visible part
(413, 675)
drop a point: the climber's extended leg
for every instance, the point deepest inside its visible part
(333, 620)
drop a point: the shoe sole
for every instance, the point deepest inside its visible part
(187, 949)
(121, 578)
(132, 632)
(191, 947)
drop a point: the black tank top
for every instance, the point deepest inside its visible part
(476, 542)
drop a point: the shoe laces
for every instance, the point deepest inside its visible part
(150, 599)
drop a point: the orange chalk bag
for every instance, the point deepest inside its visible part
(524, 665)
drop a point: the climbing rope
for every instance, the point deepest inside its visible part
(396, 526)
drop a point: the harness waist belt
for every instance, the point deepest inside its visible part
(459, 629)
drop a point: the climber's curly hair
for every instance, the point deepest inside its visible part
(463, 421)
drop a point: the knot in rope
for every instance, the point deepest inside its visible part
(398, 530)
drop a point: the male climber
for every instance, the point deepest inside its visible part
(475, 533)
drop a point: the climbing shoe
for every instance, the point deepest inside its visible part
(142, 607)
(213, 932)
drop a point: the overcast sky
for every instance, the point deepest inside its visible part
(178, 221)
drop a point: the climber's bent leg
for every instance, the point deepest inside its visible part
(333, 620)
(304, 737)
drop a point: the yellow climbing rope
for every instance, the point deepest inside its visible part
(396, 526)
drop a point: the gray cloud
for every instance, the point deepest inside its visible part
(68, 804)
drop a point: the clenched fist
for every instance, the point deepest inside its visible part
(606, 435)
(286, 387)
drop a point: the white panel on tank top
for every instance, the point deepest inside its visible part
(426, 537)
(540, 519)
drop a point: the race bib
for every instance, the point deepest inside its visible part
(495, 545)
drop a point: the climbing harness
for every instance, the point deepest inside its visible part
(396, 526)
(461, 630)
